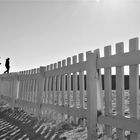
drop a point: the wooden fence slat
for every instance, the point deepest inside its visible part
(32, 97)
(32, 91)
(40, 89)
(50, 86)
(74, 58)
(27, 90)
(108, 91)
(81, 81)
(30, 82)
(68, 85)
(27, 93)
(91, 96)
(35, 90)
(10, 87)
(54, 87)
(63, 83)
(58, 84)
(15, 90)
(120, 89)
(49, 90)
(46, 90)
(114, 60)
(130, 124)
(26, 86)
(51, 93)
(20, 89)
(134, 85)
(24, 91)
(32, 88)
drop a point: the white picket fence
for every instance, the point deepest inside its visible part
(72, 88)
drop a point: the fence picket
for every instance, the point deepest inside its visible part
(63, 83)
(40, 90)
(27, 93)
(134, 85)
(25, 87)
(55, 101)
(49, 93)
(35, 90)
(51, 86)
(120, 89)
(63, 88)
(108, 91)
(68, 85)
(91, 96)
(47, 88)
(75, 86)
(81, 81)
(32, 97)
(20, 88)
(58, 85)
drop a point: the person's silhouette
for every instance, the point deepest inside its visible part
(7, 65)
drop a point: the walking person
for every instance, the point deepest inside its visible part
(7, 65)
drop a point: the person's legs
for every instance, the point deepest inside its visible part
(7, 70)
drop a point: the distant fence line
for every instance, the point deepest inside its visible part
(73, 88)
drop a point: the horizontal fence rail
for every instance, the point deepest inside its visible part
(75, 88)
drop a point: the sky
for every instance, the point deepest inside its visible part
(36, 33)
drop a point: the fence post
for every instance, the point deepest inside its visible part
(91, 95)
(15, 90)
(40, 91)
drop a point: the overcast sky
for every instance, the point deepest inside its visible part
(39, 33)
